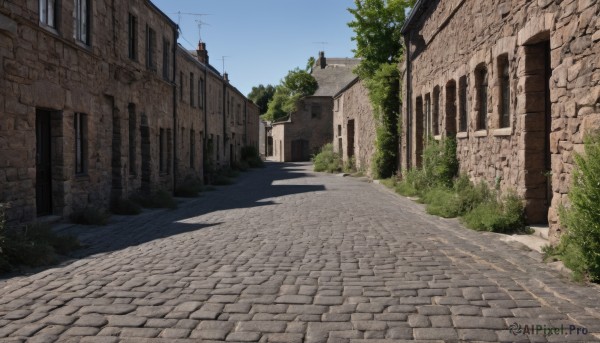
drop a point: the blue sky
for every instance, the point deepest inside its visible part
(264, 38)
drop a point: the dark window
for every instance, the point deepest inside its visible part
(239, 114)
(132, 139)
(201, 93)
(192, 148)
(192, 93)
(463, 106)
(82, 21)
(504, 92)
(427, 118)
(482, 97)
(315, 110)
(166, 59)
(133, 38)
(162, 153)
(150, 48)
(181, 86)
(339, 130)
(48, 12)
(218, 153)
(435, 120)
(80, 123)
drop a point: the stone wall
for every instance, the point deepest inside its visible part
(352, 108)
(494, 34)
(306, 131)
(130, 141)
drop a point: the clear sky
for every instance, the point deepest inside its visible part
(263, 39)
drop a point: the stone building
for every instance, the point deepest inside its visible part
(354, 125)
(517, 82)
(90, 105)
(305, 131)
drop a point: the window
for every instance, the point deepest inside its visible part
(82, 21)
(435, 120)
(132, 140)
(463, 104)
(162, 151)
(48, 12)
(339, 130)
(504, 91)
(218, 153)
(192, 148)
(239, 114)
(192, 93)
(151, 48)
(315, 110)
(482, 97)
(180, 86)
(427, 118)
(336, 105)
(166, 59)
(133, 39)
(80, 125)
(201, 93)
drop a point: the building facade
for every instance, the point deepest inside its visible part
(91, 107)
(305, 131)
(519, 89)
(354, 126)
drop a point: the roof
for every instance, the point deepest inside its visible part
(335, 76)
(415, 14)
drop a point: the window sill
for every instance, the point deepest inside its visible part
(506, 131)
(49, 28)
(82, 177)
(437, 137)
(462, 135)
(83, 45)
(480, 133)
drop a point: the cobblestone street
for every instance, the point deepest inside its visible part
(288, 255)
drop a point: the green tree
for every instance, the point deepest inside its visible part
(377, 25)
(294, 86)
(261, 95)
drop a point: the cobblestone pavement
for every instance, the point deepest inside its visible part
(287, 255)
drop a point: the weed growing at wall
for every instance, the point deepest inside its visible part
(448, 195)
(32, 245)
(384, 92)
(189, 188)
(251, 156)
(580, 245)
(90, 216)
(157, 199)
(327, 160)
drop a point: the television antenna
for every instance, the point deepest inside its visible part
(322, 45)
(198, 21)
(223, 61)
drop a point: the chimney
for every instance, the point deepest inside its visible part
(202, 53)
(226, 77)
(322, 60)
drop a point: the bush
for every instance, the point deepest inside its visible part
(350, 165)
(222, 180)
(440, 163)
(189, 188)
(251, 156)
(504, 216)
(157, 199)
(89, 216)
(34, 245)
(327, 160)
(125, 207)
(580, 245)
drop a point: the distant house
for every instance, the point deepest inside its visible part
(300, 135)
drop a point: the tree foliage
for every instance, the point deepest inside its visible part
(296, 84)
(261, 95)
(377, 25)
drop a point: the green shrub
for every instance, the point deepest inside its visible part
(241, 166)
(34, 245)
(350, 165)
(229, 172)
(125, 207)
(504, 216)
(89, 216)
(580, 245)
(189, 188)
(327, 160)
(157, 199)
(222, 180)
(251, 156)
(442, 202)
(440, 163)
